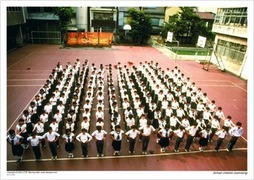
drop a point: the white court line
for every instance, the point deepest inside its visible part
(23, 85)
(26, 79)
(238, 86)
(24, 109)
(19, 60)
(130, 156)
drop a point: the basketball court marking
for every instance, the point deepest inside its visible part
(19, 60)
(26, 79)
(24, 109)
(23, 85)
(129, 156)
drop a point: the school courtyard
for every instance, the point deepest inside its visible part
(29, 67)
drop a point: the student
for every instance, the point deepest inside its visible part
(130, 121)
(146, 131)
(221, 136)
(99, 135)
(191, 133)
(84, 138)
(215, 126)
(21, 130)
(85, 124)
(164, 133)
(132, 135)
(228, 123)
(39, 130)
(15, 140)
(69, 137)
(70, 125)
(117, 137)
(35, 141)
(99, 113)
(204, 136)
(100, 122)
(28, 121)
(179, 134)
(51, 138)
(44, 119)
(235, 133)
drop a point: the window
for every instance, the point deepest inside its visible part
(103, 16)
(230, 51)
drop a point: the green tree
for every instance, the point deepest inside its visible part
(64, 14)
(187, 26)
(141, 27)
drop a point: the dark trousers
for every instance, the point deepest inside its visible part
(84, 149)
(37, 151)
(232, 142)
(52, 146)
(218, 143)
(99, 145)
(189, 142)
(132, 144)
(145, 142)
(177, 143)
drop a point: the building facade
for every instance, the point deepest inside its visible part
(230, 26)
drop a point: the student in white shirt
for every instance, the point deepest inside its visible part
(215, 126)
(191, 133)
(132, 135)
(179, 134)
(221, 136)
(15, 141)
(204, 135)
(130, 121)
(146, 131)
(21, 129)
(70, 125)
(85, 124)
(228, 123)
(99, 135)
(235, 133)
(51, 138)
(69, 137)
(117, 136)
(39, 130)
(100, 122)
(164, 133)
(35, 141)
(84, 138)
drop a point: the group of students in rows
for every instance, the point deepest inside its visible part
(172, 102)
(152, 100)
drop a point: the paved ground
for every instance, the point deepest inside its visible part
(29, 67)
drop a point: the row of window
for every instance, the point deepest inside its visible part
(232, 16)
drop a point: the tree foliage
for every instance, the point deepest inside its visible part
(141, 27)
(187, 26)
(64, 14)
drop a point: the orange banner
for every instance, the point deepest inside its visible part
(89, 38)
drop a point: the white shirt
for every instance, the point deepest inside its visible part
(142, 122)
(130, 122)
(221, 133)
(34, 141)
(58, 117)
(99, 135)
(44, 118)
(16, 138)
(164, 132)
(179, 133)
(39, 128)
(85, 125)
(20, 128)
(70, 137)
(192, 130)
(51, 136)
(54, 127)
(132, 133)
(84, 137)
(204, 133)
(147, 131)
(117, 134)
(236, 132)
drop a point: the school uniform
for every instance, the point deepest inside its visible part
(116, 143)
(132, 134)
(17, 149)
(84, 139)
(69, 145)
(179, 138)
(22, 131)
(203, 141)
(147, 131)
(191, 134)
(221, 136)
(52, 145)
(39, 129)
(164, 140)
(35, 143)
(235, 133)
(85, 125)
(99, 136)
